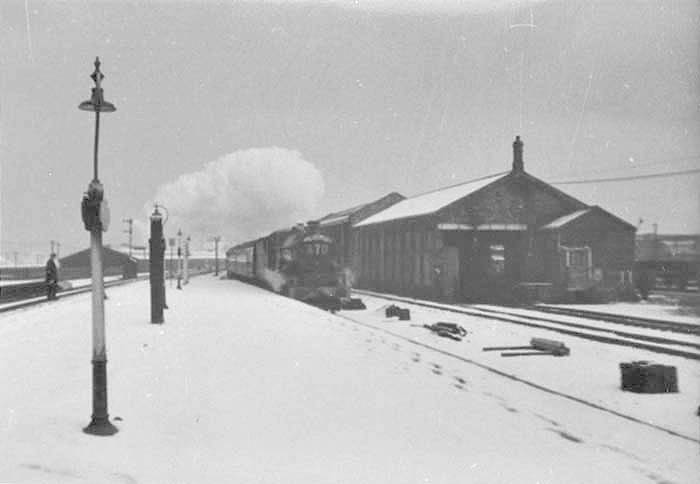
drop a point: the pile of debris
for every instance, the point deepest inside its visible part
(649, 377)
(447, 330)
(537, 346)
(393, 310)
(352, 303)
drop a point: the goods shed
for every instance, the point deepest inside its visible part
(115, 263)
(497, 238)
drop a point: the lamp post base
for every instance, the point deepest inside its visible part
(100, 424)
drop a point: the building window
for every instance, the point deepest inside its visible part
(578, 258)
(497, 259)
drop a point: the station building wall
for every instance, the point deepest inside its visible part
(489, 241)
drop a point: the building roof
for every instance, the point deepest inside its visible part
(430, 202)
(82, 257)
(571, 217)
(357, 211)
(565, 219)
(339, 217)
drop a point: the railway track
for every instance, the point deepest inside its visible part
(608, 332)
(673, 326)
(36, 300)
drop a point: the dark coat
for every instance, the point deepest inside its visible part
(51, 271)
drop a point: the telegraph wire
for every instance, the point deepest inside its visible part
(628, 178)
(634, 165)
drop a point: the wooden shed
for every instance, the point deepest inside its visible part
(490, 239)
(114, 263)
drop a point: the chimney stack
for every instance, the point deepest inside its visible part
(314, 226)
(518, 165)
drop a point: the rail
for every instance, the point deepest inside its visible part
(33, 300)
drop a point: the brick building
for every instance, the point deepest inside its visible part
(492, 239)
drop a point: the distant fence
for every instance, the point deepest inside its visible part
(39, 272)
(22, 273)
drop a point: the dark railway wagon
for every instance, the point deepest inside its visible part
(665, 261)
(298, 262)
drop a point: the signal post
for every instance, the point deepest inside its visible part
(156, 267)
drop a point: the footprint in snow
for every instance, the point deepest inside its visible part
(566, 435)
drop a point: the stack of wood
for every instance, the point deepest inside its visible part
(537, 346)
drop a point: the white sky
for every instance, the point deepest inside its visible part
(376, 97)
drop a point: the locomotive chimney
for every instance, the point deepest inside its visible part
(518, 165)
(314, 226)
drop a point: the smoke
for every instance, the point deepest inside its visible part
(241, 196)
(274, 279)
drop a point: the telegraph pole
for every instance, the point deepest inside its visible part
(130, 231)
(96, 219)
(216, 254)
(187, 260)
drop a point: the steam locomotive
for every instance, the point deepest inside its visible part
(298, 263)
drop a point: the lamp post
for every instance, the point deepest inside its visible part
(216, 255)
(96, 219)
(156, 253)
(186, 256)
(171, 266)
(179, 259)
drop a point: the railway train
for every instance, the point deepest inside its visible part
(299, 263)
(669, 262)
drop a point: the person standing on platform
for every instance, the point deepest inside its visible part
(51, 277)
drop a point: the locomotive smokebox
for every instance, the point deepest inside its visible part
(313, 226)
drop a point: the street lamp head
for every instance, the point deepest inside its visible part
(97, 102)
(156, 214)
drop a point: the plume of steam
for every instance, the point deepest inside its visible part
(274, 279)
(242, 195)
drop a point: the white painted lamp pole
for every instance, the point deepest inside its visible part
(96, 219)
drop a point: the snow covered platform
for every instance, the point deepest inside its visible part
(241, 385)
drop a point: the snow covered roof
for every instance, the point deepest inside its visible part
(339, 217)
(430, 202)
(570, 217)
(565, 219)
(360, 212)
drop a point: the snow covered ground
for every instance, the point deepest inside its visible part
(590, 373)
(240, 385)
